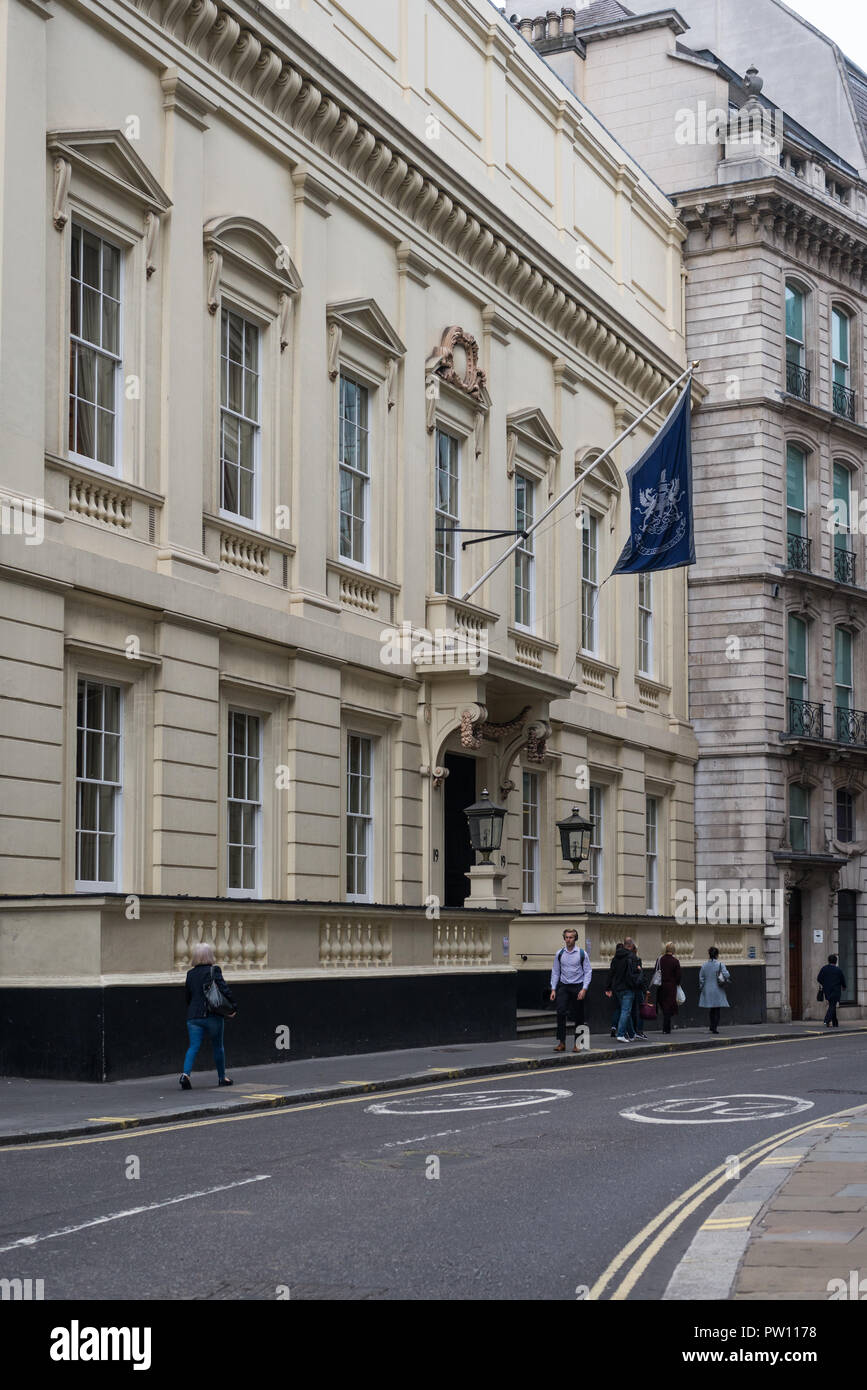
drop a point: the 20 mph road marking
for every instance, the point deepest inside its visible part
(467, 1100)
(133, 1211)
(716, 1110)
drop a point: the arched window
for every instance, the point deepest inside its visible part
(797, 376)
(841, 362)
(805, 719)
(798, 542)
(844, 716)
(844, 550)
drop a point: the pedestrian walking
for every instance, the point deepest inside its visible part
(570, 981)
(639, 998)
(712, 978)
(615, 1014)
(200, 1021)
(833, 983)
(623, 979)
(668, 967)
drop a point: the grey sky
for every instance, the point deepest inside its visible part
(844, 21)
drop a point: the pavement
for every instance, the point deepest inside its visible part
(38, 1110)
(794, 1229)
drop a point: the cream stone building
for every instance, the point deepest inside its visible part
(776, 307)
(290, 292)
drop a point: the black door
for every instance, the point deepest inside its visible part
(847, 926)
(460, 792)
(796, 961)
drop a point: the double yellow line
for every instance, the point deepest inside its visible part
(663, 1227)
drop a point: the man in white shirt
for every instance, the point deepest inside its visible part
(570, 981)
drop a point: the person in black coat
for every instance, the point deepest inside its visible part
(666, 994)
(199, 1021)
(833, 982)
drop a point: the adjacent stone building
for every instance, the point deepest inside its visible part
(776, 293)
(289, 295)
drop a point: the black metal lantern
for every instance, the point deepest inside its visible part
(486, 826)
(575, 836)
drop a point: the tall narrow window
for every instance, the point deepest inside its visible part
(447, 514)
(844, 554)
(97, 785)
(797, 376)
(797, 658)
(354, 448)
(597, 835)
(359, 818)
(95, 348)
(645, 625)
(847, 942)
(798, 545)
(845, 817)
(530, 842)
(590, 584)
(840, 353)
(843, 690)
(239, 416)
(525, 559)
(245, 802)
(651, 854)
(799, 819)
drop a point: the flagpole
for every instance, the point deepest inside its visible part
(579, 480)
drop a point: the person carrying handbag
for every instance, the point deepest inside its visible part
(209, 1002)
(713, 979)
(667, 979)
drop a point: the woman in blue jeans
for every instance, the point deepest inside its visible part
(199, 1021)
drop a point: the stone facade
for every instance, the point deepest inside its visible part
(766, 205)
(304, 216)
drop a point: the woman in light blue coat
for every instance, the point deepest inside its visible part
(712, 976)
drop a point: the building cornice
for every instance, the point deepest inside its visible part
(250, 48)
(799, 225)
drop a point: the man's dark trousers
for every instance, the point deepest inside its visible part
(567, 996)
(831, 1015)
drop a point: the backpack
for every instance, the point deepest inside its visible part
(581, 959)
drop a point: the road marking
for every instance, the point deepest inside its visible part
(451, 1102)
(27, 1241)
(675, 1086)
(716, 1110)
(678, 1211)
(467, 1129)
(113, 1119)
(727, 1223)
(783, 1066)
(622, 1060)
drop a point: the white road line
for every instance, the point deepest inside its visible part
(783, 1065)
(678, 1085)
(443, 1133)
(133, 1211)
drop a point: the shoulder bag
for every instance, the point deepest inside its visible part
(656, 979)
(215, 1000)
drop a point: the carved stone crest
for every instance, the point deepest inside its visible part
(456, 361)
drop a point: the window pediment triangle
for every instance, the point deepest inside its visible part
(109, 157)
(364, 319)
(533, 429)
(250, 245)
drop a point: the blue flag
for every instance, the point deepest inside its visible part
(660, 489)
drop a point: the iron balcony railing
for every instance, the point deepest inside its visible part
(844, 401)
(844, 566)
(851, 726)
(806, 720)
(797, 381)
(799, 549)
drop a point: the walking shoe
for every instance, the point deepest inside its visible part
(576, 1048)
(619, 1039)
(185, 1083)
(614, 1032)
(641, 1036)
(226, 1082)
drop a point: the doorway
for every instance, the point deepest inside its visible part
(847, 938)
(796, 956)
(460, 792)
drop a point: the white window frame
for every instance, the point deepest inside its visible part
(590, 584)
(802, 819)
(804, 697)
(257, 803)
(229, 309)
(444, 518)
(651, 855)
(525, 558)
(112, 884)
(347, 375)
(596, 865)
(646, 653)
(368, 818)
(844, 317)
(114, 470)
(800, 343)
(530, 840)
